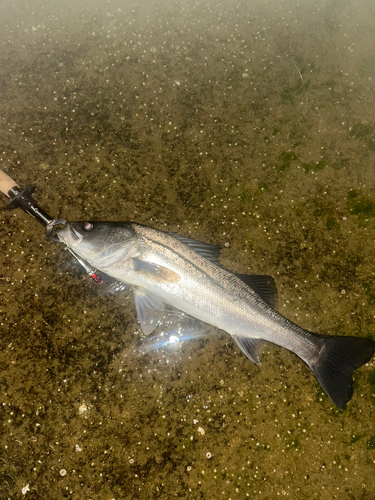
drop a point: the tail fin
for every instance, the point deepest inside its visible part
(338, 358)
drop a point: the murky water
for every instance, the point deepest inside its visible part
(244, 124)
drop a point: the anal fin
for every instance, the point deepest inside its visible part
(252, 348)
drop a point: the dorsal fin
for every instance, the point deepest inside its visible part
(263, 285)
(206, 250)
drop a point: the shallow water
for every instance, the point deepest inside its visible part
(244, 124)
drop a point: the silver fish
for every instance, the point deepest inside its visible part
(167, 269)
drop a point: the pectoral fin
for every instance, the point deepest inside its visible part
(155, 272)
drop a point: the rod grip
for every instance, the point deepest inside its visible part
(6, 183)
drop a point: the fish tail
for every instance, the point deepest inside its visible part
(336, 362)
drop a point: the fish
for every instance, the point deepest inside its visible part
(166, 270)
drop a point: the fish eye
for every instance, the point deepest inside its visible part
(87, 226)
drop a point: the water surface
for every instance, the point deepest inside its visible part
(244, 124)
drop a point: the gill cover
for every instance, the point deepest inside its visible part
(102, 244)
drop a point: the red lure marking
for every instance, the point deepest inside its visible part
(96, 278)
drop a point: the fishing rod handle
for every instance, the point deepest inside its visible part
(7, 184)
(23, 199)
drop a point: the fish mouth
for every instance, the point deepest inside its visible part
(60, 233)
(69, 233)
(76, 234)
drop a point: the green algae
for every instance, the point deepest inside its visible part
(331, 223)
(361, 131)
(314, 167)
(285, 160)
(364, 133)
(291, 93)
(371, 443)
(360, 205)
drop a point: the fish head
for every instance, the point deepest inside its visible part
(102, 244)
